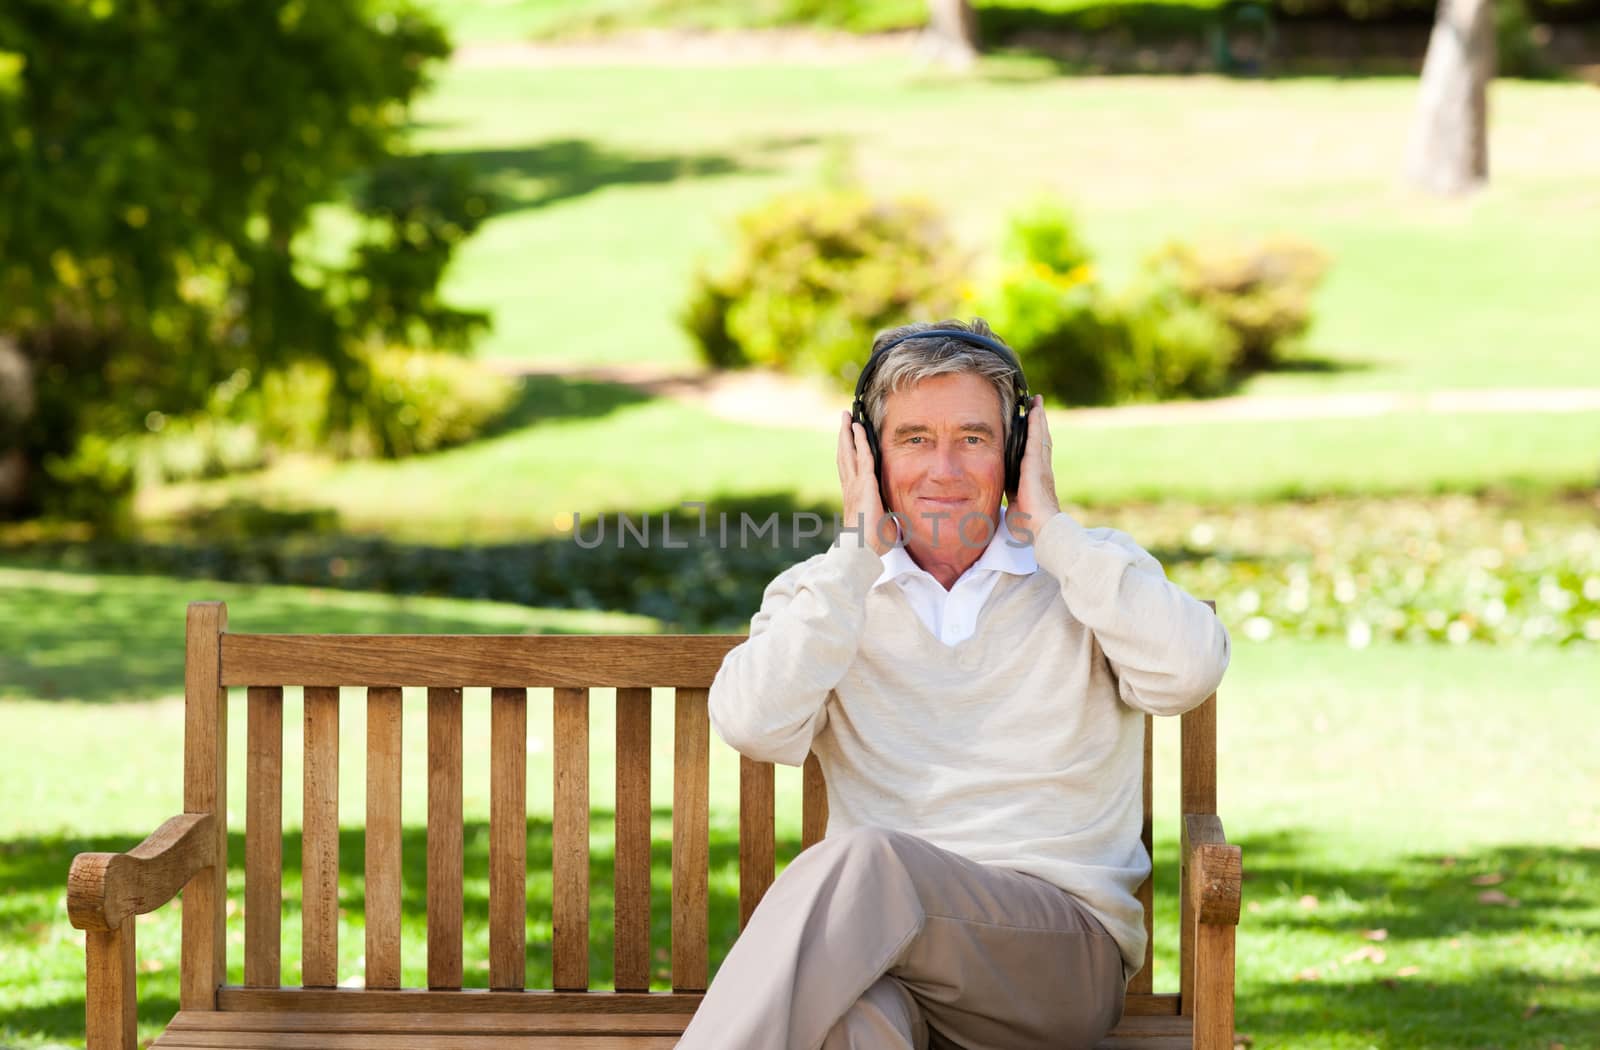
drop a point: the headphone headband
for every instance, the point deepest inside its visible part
(970, 338)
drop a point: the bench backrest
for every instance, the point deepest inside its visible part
(509, 665)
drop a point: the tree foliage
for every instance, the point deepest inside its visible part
(160, 161)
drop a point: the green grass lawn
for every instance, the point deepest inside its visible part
(1384, 789)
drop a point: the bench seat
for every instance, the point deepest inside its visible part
(491, 1026)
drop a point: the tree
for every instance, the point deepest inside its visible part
(1449, 152)
(953, 31)
(159, 160)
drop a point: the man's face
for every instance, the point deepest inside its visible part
(943, 445)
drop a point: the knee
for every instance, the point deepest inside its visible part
(866, 858)
(868, 840)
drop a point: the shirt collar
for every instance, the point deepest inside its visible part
(998, 556)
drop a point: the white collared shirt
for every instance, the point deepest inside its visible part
(952, 616)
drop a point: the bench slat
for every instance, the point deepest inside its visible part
(383, 880)
(319, 851)
(813, 803)
(631, 875)
(532, 661)
(508, 838)
(263, 839)
(756, 834)
(569, 876)
(417, 1002)
(444, 837)
(223, 1039)
(489, 1020)
(691, 790)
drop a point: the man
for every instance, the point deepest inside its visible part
(977, 705)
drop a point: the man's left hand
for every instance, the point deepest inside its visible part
(1036, 501)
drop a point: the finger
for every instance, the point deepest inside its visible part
(844, 452)
(1039, 431)
(863, 450)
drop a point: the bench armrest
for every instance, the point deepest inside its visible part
(104, 889)
(1215, 870)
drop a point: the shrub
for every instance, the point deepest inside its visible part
(1064, 335)
(1260, 289)
(1046, 234)
(1194, 319)
(421, 402)
(816, 274)
(1176, 346)
(414, 402)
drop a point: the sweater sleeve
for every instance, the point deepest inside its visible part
(1167, 649)
(769, 698)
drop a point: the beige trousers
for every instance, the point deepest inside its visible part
(879, 939)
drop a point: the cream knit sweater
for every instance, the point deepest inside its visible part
(1021, 746)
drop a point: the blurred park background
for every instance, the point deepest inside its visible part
(341, 311)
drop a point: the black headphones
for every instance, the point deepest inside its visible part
(1016, 442)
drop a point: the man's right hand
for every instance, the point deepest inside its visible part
(858, 479)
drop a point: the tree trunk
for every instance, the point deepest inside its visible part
(953, 31)
(1449, 151)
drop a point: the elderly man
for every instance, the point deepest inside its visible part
(974, 687)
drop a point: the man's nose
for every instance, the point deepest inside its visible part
(946, 462)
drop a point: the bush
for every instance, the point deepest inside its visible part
(1083, 347)
(1176, 347)
(414, 402)
(1046, 234)
(1260, 289)
(816, 274)
(1063, 332)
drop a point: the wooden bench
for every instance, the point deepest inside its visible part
(189, 853)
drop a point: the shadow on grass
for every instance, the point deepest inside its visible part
(1419, 899)
(545, 398)
(1431, 907)
(76, 634)
(536, 176)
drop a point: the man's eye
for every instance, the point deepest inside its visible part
(913, 440)
(974, 439)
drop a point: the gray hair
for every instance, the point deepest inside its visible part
(917, 359)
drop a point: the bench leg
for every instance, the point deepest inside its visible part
(1213, 987)
(109, 999)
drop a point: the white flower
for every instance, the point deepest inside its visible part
(1358, 635)
(1458, 633)
(1258, 628)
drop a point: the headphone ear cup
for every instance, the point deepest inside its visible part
(1017, 445)
(861, 417)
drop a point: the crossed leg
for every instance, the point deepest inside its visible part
(978, 956)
